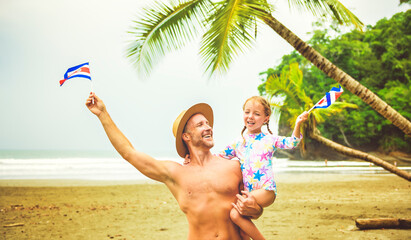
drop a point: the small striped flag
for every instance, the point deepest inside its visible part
(80, 71)
(329, 98)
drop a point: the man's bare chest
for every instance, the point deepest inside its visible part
(212, 180)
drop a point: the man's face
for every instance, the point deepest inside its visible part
(200, 132)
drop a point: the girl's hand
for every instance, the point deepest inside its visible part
(302, 118)
(187, 159)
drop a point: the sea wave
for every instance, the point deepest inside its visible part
(119, 169)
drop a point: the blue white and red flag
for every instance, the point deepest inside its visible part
(81, 71)
(329, 98)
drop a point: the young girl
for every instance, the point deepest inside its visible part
(254, 151)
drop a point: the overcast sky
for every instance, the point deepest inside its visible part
(40, 39)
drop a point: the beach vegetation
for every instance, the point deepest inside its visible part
(286, 92)
(380, 58)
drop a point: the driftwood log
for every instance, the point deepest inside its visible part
(14, 225)
(378, 223)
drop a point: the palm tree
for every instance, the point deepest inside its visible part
(288, 89)
(229, 27)
(286, 93)
(360, 155)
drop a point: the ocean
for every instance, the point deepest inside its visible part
(98, 165)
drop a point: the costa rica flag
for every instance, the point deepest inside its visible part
(329, 98)
(80, 71)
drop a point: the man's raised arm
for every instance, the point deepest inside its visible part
(154, 169)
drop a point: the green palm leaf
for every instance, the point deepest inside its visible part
(280, 87)
(230, 32)
(336, 107)
(288, 84)
(333, 8)
(231, 28)
(163, 28)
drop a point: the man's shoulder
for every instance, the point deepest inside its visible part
(172, 165)
(226, 166)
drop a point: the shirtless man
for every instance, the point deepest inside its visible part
(205, 188)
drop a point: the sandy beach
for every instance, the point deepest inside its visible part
(309, 206)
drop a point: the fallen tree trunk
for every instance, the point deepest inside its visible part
(378, 223)
(14, 225)
(361, 155)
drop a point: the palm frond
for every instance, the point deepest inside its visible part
(162, 28)
(333, 8)
(289, 85)
(279, 85)
(308, 102)
(333, 109)
(275, 104)
(230, 32)
(295, 75)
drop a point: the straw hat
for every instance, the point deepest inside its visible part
(181, 121)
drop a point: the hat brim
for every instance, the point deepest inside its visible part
(202, 108)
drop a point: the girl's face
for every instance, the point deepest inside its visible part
(254, 116)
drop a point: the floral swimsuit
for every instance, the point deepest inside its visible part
(255, 157)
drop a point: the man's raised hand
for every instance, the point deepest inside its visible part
(95, 104)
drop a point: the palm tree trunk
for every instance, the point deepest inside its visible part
(344, 137)
(361, 155)
(338, 75)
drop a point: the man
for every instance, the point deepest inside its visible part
(204, 189)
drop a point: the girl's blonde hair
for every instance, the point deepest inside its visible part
(267, 111)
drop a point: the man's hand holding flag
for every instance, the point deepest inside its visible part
(79, 71)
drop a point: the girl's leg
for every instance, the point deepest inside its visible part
(264, 198)
(246, 225)
(244, 236)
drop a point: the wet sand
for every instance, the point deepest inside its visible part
(308, 206)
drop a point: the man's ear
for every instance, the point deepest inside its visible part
(186, 136)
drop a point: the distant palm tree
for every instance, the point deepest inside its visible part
(287, 90)
(228, 27)
(286, 93)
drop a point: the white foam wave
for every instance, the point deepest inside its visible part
(119, 169)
